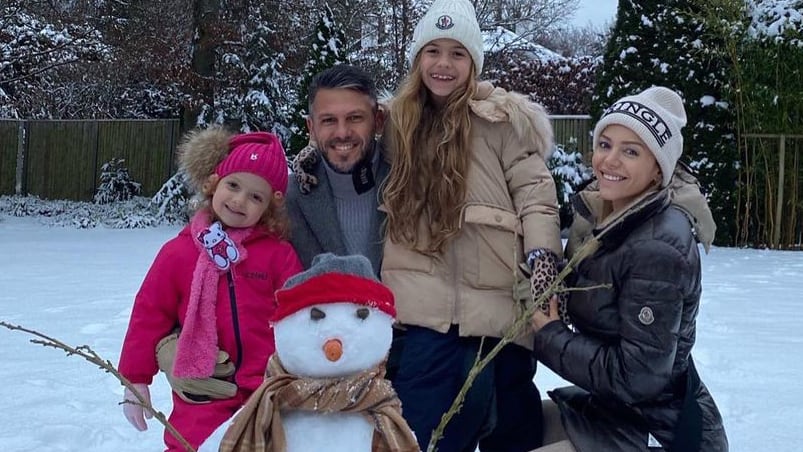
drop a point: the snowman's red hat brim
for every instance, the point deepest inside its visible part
(334, 287)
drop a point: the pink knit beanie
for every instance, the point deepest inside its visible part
(259, 153)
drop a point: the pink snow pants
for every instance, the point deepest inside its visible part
(197, 421)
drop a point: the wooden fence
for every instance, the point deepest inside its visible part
(62, 159)
(574, 133)
(8, 156)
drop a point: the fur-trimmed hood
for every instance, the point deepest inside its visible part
(200, 151)
(685, 194)
(529, 119)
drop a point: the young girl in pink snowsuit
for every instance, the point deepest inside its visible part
(215, 281)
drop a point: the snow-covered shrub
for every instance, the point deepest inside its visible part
(29, 206)
(115, 183)
(137, 212)
(18, 206)
(561, 86)
(81, 216)
(172, 198)
(570, 174)
(60, 212)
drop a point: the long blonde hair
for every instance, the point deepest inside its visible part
(425, 183)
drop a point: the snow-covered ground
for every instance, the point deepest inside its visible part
(77, 285)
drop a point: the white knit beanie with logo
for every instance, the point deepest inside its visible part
(453, 19)
(656, 115)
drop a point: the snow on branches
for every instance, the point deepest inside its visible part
(31, 48)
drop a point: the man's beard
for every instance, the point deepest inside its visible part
(344, 164)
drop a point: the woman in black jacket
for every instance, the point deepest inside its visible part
(629, 353)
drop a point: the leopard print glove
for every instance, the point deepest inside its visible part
(544, 266)
(302, 166)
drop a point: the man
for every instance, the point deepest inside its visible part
(333, 207)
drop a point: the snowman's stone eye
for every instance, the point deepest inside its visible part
(362, 313)
(316, 314)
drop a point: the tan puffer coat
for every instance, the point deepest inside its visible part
(511, 208)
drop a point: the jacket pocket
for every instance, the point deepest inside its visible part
(400, 258)
(495, 246)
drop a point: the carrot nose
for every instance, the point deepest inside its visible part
(333, 349)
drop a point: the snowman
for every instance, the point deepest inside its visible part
(325, 388)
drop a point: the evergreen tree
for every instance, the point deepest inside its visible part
(172, 199)
(669, 43)
(327, 48)
(264, 101)
(116, 183)
(570, 175)
(250, 90)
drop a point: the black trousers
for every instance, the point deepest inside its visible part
(501, 411)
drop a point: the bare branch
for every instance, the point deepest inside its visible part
(39, 71)
(84, 351)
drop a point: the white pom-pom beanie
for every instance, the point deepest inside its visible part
(656, 115)
(452, 19)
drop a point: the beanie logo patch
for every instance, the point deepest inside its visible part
(444, 22)
(254, 156)
(645, 115)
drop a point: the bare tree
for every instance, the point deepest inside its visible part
(384, 38)
(164, 58)
(588, 40)
(530, 19)
(205, 15)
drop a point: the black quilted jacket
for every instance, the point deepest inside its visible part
(629, 354)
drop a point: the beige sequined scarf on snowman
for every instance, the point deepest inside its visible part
(258, 426)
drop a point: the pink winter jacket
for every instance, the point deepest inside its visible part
(243, 314)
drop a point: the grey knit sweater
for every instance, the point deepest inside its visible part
(354, 211)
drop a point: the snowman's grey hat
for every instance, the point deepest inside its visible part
(334, 279)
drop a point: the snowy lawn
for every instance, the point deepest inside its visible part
(77, 285)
